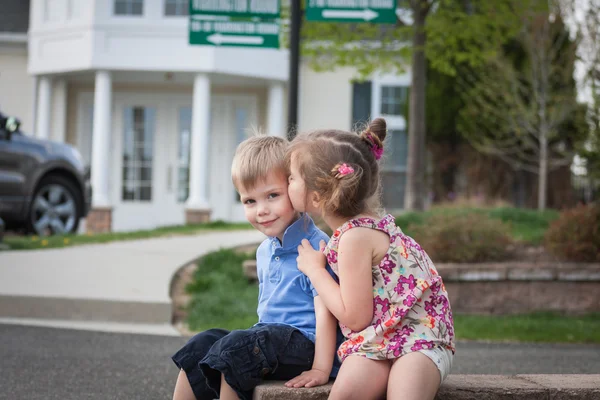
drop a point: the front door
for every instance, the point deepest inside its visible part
(139, 162)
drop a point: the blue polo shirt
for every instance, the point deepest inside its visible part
(286, 295)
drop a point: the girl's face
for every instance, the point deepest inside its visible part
(297, 188)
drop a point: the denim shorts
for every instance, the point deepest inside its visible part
(244, 357)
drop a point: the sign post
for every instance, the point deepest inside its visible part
(373, 11)
(245, 23)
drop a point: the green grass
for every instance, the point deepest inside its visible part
(35, 242)
(222, 297)
(535, 328)
(527, 226)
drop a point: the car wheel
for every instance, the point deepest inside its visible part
(56, 207)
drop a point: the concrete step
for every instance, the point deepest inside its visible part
(471, 387)
(78, 309)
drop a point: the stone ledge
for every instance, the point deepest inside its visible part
(471, 387)
(508, 271)
(520, 271)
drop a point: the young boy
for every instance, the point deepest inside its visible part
(283, 344)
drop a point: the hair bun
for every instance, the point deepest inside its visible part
(378, 127)
(374, 136)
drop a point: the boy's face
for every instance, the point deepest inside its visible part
(267, 205)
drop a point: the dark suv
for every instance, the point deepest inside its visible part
(44, 185)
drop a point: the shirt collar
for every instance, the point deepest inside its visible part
(302, 228)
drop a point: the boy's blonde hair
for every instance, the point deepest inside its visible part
(256, 157)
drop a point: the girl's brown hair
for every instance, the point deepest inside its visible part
(320, 154)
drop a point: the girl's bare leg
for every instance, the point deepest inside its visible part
(361, 378)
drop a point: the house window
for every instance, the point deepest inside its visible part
(176, 7)
(396, 150)
(138, 151)
(183, 154)
(393, 100)
(129, 7)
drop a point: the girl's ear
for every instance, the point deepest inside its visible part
(315, 200)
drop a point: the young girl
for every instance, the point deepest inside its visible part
(391, 303)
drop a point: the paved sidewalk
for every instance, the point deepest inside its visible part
(126, 281)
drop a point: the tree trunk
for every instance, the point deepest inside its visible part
(543, 173)
(415, 186)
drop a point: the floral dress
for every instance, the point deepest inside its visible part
(411, 310)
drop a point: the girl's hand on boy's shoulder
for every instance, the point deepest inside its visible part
(310, 378)
(311, 260)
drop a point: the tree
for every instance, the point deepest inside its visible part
(473, 29)
(516, 108)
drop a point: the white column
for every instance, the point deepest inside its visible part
(100, 168)
(34, 106)
(44, 108)
(276, 123)
(198, 199)
(59, 111)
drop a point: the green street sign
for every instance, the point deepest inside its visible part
(225, 32)
(374, 11)
(268, 9)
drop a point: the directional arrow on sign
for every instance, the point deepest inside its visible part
(219, 39)
(365, 14)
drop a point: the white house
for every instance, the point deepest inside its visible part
(158, 119)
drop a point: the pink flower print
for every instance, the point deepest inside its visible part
(401, 312)
(386, 279)
(410, 280)
(430, 308)
(409, 301)
(422, 344)
(435, 288)
(384, 303)
(332, 257)
(386, 264)
(382, 224)
(405, 280)
(399, 288)
(396, 349)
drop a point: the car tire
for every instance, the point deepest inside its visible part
(56, 207)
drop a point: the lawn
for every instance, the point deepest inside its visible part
(222, 297)
(36, 242)
(527, 226)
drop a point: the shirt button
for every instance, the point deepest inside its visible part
(277, 258)
(265, 371)
(256, 350)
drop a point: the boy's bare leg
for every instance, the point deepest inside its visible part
(227, 393)
(413, 377)
(183, 390)
(361, 378)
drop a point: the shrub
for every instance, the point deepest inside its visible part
(575, 235)
(463, 238)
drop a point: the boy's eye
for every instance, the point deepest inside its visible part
(249, 201)
(273, 195)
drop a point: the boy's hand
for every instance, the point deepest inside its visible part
(311, 378)
(310, 260)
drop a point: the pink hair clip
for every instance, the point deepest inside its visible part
(345, 169)
(375, 149)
